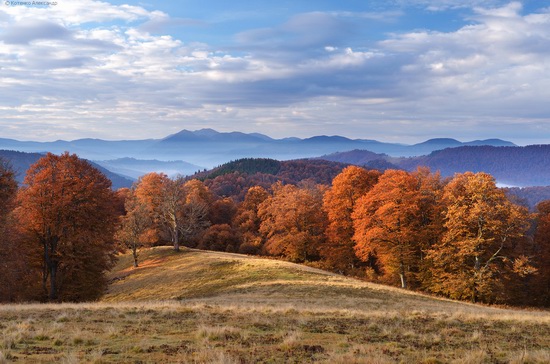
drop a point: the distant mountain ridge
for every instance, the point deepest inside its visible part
(135, 168)
(510, 165)
(206, 148)
(515, 166)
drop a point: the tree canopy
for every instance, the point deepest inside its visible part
(477, 248)
(66, 207)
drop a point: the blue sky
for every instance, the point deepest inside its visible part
(395, 70)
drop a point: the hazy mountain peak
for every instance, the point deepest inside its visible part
(326, 138)
(440, 141)
(492, 142)
(211, 135)
(261, 136)
(207, 132)
(183, 135)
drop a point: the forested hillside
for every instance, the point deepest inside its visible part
(21, 161)
(529, 196)
(363, 158)
(510, 165)
(415, 230)
(234, 178)
(516, 166)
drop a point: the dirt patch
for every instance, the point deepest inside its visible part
(148, 263)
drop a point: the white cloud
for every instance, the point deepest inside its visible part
(510, 10)
(497, 66)
(65, 69)
(443, 5)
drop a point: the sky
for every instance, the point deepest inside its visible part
(391, 70)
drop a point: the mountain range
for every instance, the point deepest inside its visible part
(207, 148)
(524, 170)
(188, 152)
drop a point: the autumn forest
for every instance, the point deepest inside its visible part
(460, 237)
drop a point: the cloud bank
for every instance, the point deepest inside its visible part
(94, 69)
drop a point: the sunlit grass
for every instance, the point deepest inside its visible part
(204, 307)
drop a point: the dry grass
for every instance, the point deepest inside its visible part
(199, 307)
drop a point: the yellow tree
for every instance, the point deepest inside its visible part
(148, 192)
(67, 207)
(477, 249)
(136, 227)
(388, 223)
(339, 202)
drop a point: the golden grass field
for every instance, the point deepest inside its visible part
(210, 307)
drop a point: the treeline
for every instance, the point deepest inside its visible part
(233, 179)
(461, 237)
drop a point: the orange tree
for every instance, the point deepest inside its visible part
(162, 199)
(177, 208)
(17, 260)
(136, 227)
(197, 209)
(293, 222)
(389, 224)
(477, 250)
(339, 202)
(430, 224)
(247, 222)
(66, 206)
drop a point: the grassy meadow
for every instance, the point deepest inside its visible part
(210, 307)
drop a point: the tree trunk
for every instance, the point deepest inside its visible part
(45, 273)
(176, 241)
(135, 255)
(402, 275)
(477, 268)
(53, 281)
(50, 267)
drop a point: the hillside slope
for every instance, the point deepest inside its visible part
(225, 277)
(206, 307)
